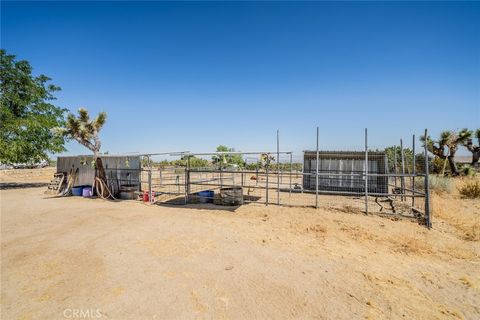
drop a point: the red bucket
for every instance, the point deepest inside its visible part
(146, 198)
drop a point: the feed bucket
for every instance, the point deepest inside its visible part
(87, 192)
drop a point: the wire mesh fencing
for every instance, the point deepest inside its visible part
(391, 181)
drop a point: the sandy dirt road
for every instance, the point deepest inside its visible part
(127, 260)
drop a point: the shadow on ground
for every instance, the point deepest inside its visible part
(20, 185)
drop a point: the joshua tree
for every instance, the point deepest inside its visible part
(450, 140)
(85, 132)
(467, 141)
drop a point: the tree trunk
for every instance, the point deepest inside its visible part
(475, 156)
(453, 165)
(100, 173)
(475, 150)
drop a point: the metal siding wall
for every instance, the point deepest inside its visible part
(86, 172)
(350, 165)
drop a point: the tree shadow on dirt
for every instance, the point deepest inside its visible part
(20, 185)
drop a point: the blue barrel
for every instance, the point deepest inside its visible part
(77, 191)
(206, 196)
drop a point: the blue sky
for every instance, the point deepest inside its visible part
(189, 76)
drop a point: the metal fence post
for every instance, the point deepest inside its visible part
(160, 175)
(402, 180)
(316, 172)
(303, 173)
(150, 186)
(395, 166)
(414, 171)
(221, 177)
(366, 171)
(266, 173)
(290, 182)
(278, 167)
(428, 221)
(140, 179)
(187, 180)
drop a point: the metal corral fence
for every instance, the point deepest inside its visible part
(368, 181)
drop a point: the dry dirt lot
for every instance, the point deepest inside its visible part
(127, 260)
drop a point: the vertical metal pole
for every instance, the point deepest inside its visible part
(290, 182)
(150, 186)
(316, 172)
(221, 177)
(402, 181)
(395, 166)
(266, 173)
(140, 180)
(428, 221)
(187, 180)
(414, 171)
(303, 174)
(278, 167)
(160, 174)
(366, 171)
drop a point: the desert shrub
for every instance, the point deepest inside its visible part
(436, 183)
(440, 165)
(470, 190)
(468, 171)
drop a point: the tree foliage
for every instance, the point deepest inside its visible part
(84, 130)
(226, 160)
(195, 162)
(446, 146)
(394, 158)
(26, 114)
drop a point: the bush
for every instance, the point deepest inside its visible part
(468, 171)
(436, 183)
(470, 190)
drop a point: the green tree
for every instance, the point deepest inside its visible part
(85, 131)
(226, 160)
(198, 162)
(26, 114)
(395, 153)
(449, 140)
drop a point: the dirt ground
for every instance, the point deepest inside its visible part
(71, 257)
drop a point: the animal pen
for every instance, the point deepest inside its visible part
(355, 181)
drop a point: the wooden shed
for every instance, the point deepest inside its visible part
(344, 171)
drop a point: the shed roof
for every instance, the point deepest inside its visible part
(343, 153)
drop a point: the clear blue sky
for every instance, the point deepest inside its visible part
(190, 76)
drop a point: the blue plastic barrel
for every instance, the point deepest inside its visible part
(206, 196)
(77, 191)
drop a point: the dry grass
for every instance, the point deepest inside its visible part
(470, 190)
(466, 281)
(412, 245)
(461, 213)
